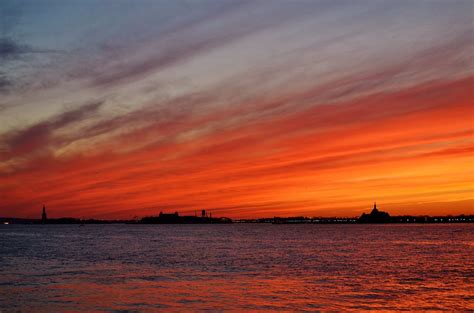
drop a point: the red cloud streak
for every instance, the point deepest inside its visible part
(411, 150)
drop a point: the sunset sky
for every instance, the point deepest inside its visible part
(116, 109)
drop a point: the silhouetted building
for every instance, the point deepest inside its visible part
(169, 218)
(375, 216)
(44, 216)
(175, 218)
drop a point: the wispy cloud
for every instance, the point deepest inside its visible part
(249, 107)
(40, 137)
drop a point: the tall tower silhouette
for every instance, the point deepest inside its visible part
(44, 217)
(375, 210)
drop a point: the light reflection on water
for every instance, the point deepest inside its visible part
(236, 267)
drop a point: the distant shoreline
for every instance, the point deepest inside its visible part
(448, 219)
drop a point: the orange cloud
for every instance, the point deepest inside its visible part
(411, 150)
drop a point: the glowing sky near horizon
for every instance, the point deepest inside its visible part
(115, 109)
